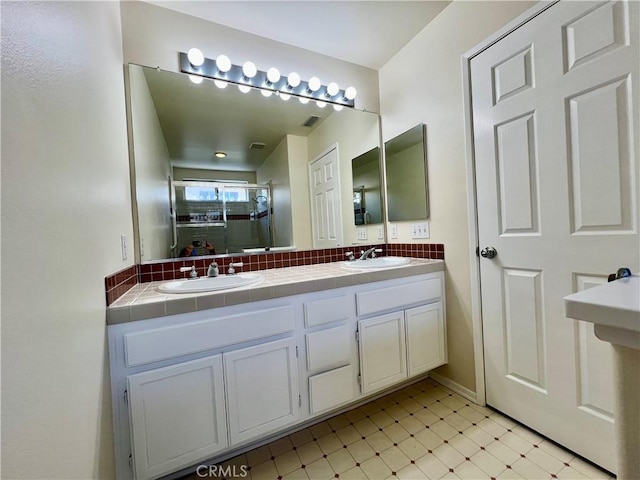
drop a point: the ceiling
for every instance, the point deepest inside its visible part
(366, 33)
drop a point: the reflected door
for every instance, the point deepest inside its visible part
(326, 214)
(556, 169)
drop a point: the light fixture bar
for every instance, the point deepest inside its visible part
(235, 75)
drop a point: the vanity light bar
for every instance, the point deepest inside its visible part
(311, 90)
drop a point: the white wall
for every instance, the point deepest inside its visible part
(423, 83)
(65, 202)
(299, 190)
(152, 170)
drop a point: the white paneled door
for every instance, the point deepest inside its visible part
(555, 112)
(326, 216)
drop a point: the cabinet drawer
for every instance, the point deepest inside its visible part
(330, 389)
(391, 298)
(325, 311)
(170, 342)
(328, 348)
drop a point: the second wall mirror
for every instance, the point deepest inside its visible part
(406, 175)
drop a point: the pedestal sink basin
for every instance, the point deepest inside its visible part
(210, 284)
(377, 263)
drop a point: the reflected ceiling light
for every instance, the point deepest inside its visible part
(273, 75)
(350, 93)
(196, 79)
(247, 77)
(303, 100)
(337, 108)
(196, 58)
(333, 89)
(249, 69)
(220, 154)
(223, 63)
(314, 84)
(293, 80)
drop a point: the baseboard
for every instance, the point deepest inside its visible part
(454, 386)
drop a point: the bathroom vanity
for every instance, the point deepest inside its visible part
(238, 368)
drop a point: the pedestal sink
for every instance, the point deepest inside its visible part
(210, 284)
(614, 309)
(377, 263)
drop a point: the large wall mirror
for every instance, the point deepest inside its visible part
(256, 196)
(406, 176)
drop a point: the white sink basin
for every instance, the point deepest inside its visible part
(210, 284)
(377, 263)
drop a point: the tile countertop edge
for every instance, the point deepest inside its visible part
(143, 302)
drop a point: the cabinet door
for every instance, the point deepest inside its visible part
(425, 338)
(176, 415)
(383, 356)
(262, 389)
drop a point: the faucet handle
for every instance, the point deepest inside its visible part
(377, 250)
(232, 267)
(185, 269)
(350, 256)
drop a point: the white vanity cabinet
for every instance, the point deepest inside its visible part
(202, 386)
(177, 416)
(330, 348)
(404, 343)
(262, 389)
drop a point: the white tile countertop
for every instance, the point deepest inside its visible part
(144, 301)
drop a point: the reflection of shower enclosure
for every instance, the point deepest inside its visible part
(230, 216)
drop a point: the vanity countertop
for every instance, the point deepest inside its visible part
(144, 301)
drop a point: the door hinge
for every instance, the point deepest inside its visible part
(297, 353)
(357, 336)
(299, 400)
(477, 251)
(126, 397)
(131, 461)
(359, 379)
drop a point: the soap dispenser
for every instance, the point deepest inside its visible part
(213, 270)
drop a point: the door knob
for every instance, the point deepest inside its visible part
(489, 252)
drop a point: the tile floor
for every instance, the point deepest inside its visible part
(424, 431)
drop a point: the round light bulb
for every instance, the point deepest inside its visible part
(220, 154)
(266, 93)
(321, 104)
(249, 69)
(220, 83)
(273, 75)
(333, 89)
(337, 108)
(314, 84)
(244, 88)
(223, 63)
(285, 96)
(293, 80)
(350, 93)
(196, 79)
(195, 56)
(303, 100)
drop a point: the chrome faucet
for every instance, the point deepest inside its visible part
(193, 272)
(232, 268)
(369, 253)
